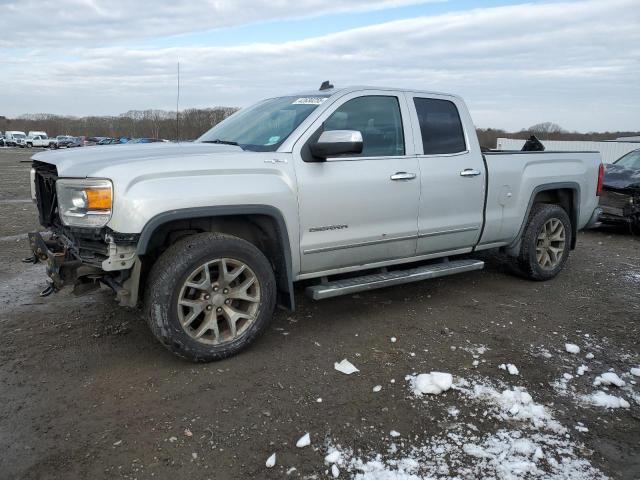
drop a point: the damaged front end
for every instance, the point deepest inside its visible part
(120, 269)
(620, 199)
(81, 257)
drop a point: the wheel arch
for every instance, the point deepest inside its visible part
(262, 225)
(565, 194)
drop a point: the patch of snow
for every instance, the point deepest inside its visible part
(394, 434)
(511, 368)
(572, 348)
(515, 404)
(581, 369)
(345, 366)
(271, 461)
(377, 388)
(589, 356)
(581, 428)
(304, 441)
(609, 378)
(603, 399)
(453, 411)
(635, 372)
(393, 339)
(567, 376)
(335, 471)
(433, 383)
(334, 456)
(503, 455)
(475, 363)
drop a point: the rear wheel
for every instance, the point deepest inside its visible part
(210, 296)
(545, 243)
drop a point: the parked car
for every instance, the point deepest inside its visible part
(41, 141)
(620, 200)
(353, 189)
(145, 140)
(108, 141)
(67, 141)
(2, 144)
(15, 138)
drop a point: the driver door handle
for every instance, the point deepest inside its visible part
(469, 172)
(403, 176)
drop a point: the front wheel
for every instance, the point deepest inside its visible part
(210, 296)
(545, 243)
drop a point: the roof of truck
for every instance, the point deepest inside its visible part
(355, 88)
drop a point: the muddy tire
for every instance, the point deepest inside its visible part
(546, 242)
(210, 296)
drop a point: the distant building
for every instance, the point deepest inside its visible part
(610, 150)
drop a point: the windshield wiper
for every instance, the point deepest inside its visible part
(223, 142)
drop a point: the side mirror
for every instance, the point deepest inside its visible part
(337, 142)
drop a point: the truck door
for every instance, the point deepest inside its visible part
(359, 208)
(452, 178)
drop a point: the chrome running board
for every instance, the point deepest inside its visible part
(388, 279)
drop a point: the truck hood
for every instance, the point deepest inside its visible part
(619, 178)
(87, 161)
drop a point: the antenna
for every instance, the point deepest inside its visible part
(178, 107)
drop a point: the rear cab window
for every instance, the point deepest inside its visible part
(440, 126)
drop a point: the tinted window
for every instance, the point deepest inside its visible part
(377, 118)
(630, 160)
(440, 126)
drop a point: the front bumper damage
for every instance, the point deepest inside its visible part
(620, 206)
(120, 271)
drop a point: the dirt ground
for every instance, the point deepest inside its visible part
(86, 391)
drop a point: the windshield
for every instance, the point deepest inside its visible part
(264, 126)
(19, 135)
(630, 160)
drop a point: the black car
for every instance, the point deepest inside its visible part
(620, 199)
(109, 141)
(68, 142)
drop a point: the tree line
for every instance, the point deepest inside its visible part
(546, 131)
(193, 122)
(188, 125)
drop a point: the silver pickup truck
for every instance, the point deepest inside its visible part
(348, 189)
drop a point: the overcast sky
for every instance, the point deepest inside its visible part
(575, 63)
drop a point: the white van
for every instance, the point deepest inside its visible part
(15, 138)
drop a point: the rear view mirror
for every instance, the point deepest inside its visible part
(337, 142)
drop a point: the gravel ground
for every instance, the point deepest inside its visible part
(86, 392)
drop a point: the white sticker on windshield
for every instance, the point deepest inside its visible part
(309, 101)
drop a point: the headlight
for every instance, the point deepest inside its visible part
(84, 202)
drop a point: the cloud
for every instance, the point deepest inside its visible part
(64, 23)
(572, 63)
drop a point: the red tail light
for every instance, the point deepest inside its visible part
(600, 180)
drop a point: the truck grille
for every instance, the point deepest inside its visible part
(45, 188)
